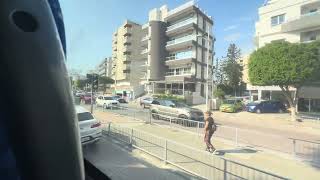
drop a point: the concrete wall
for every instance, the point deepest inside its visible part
(157, 50)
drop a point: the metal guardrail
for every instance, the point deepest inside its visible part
(194, 161)
(299, 149)
(307, 150)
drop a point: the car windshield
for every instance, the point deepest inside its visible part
(84, 116)
(180, 104)
(252, 104)
(108, 98)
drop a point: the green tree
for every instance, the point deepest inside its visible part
(219, 93)
(103, 81)
(285, 65)
(232, 70)
(80, 83)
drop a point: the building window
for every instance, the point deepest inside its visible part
(202, 90)
(187, 70)
(178, 71)
(276, 20)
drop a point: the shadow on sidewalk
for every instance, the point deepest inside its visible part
(237, 150)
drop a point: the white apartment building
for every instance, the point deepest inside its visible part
(178, 45)
(105, 67)
(295, 21)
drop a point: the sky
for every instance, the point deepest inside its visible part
(90, 24)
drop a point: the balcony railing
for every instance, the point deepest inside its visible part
(145, 25)
(302, 16)
(145, 38)
(171, 58)
(182, 39)
(182, 23)
(182, 7)
(144, 51)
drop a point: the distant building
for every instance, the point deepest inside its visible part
(295, 21)
(105, 67)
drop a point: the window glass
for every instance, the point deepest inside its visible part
(84, 116)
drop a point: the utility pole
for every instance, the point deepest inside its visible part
(94, 83)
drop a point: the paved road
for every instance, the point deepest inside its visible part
(257, 136)
(120, 163)
(276, 163)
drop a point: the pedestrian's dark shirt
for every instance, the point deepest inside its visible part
(210, 122)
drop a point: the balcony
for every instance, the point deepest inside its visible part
(305, 21)
(178, 61)
(181, 26)
(181, 42)
(145, 38)
(145, 51)
(145, 26)
(181, 8)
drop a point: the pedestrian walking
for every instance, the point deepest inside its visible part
(209, 128)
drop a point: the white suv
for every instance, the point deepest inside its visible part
(106, 101)
(90, 128)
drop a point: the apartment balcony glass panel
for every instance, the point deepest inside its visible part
(182, 39)
(182, 23)
(305, 21)
(180, 55)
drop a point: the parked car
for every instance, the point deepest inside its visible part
(90, 128)
(87, 98)
(163, 107)
(120, 99)
(266, 107)
(231, 105)
(146, 102)
(106, 101)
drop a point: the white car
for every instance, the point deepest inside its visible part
(106, 101)
(90, 128)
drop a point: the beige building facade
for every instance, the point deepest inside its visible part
(127, 59)
(295, 21)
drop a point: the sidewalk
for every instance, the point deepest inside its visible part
(280, 164)
(273, 123)
(121, 163)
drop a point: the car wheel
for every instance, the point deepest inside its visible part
(104, 106)
(182, 122)
(258, 111)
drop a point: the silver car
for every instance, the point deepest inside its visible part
(162, 107)
(90, 128)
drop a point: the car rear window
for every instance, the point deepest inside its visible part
(84, 116)
(108, 98)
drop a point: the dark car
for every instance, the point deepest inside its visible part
(266, 107)
(120, 99)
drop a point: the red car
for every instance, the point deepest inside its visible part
(87, 99)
